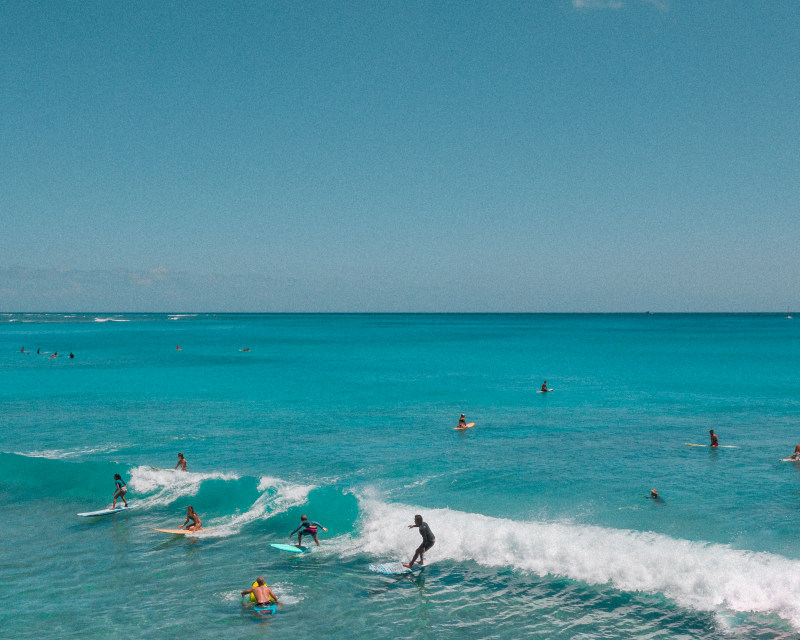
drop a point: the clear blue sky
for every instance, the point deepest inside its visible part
(551, 155)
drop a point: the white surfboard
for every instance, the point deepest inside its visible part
(544, 390)
(104, 512)
(721, 446)
(392, 568)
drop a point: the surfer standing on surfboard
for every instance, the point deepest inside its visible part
(428, 540)
(309, 528)
(262, 592)
(714, 439)
(120, 490)
(191, 514)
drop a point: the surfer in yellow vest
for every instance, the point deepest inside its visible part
(307, 528)
(262, 592)
(181, 462)
(120, 490)
(428, 540)
(191, 514)
(714, 439)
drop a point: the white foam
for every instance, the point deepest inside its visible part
(698, 575)
(277, 496)
(169, 485)
(60, 454)
(111, 320)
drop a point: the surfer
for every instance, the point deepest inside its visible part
(120, 490)
(428, 540)
(654, 496)
(262, 592)
(796, 454)
(181, 463)
(191, 514)
(307, 528)
(714, 439)
(544, 386)
(462, 422)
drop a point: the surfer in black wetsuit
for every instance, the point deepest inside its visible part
(428, 540)
(307, 528)
(714, 439)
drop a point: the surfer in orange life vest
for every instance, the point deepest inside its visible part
(428, 540)
(181, 462)
(262, 592)
(120, 490)
(714, 439)
(307, 528)
(191, 514)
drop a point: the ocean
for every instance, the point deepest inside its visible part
(542, 526)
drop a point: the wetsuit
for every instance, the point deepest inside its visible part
(428, 539)
(308, 527)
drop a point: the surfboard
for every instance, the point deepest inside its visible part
(266, 610)
(721, 446)
(543, 390)
(469, 425)
(104, 512)
(392, 568)
(181, 532)
(790, 459)
(291, 548)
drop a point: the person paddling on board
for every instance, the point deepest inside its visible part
(714, 439)
(262, 592)
(120, 491)
(428, 540)
(181, 462)
(462, 422)
(191, 514)
(307, 528)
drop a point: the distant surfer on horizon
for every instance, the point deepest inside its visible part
(181, 463)
(307, 528)
(120, 490)
(654, 496)
(796, 454)
(462, 421)
(714, 439)
(544, 387)
(191, 514)
(428, 540)
(264, 595)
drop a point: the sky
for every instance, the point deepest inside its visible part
(400, 156)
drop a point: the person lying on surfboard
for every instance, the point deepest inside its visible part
(307, 528)
(191, 514)
(262, 592)
(120, 490)
(428, 540)
(714, 439)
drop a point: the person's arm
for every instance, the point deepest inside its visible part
(411, 526)
(184, 523)
(317, 524)
(246, 591)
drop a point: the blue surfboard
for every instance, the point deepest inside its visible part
(266, 610)
(104, 512)
(291, 548)
(391, 568)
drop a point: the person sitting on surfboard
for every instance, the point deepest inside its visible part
(544, 386)
(262, 592)
(796, 454)
(462, 422)
(714, 439)
(181, 462)
(307, 528)
(120, 490)
(428, 540)
(191, 514)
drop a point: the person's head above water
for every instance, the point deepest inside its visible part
(653, 493)
(417, 519)
(260, 581)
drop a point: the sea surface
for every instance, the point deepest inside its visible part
(542, 528)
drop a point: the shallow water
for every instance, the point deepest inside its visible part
(542, 528)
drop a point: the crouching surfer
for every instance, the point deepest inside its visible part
(196, 525)
(307, 528)
(428, 540)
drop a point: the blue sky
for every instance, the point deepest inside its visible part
(584, 155)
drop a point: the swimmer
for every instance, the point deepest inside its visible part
(262, 592)
(654, 496)
(192, 515)
(181, 463)
(120, 490)
(714, 439)
(428, 540)
(307, 528)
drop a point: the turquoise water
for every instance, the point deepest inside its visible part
(541, 525)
